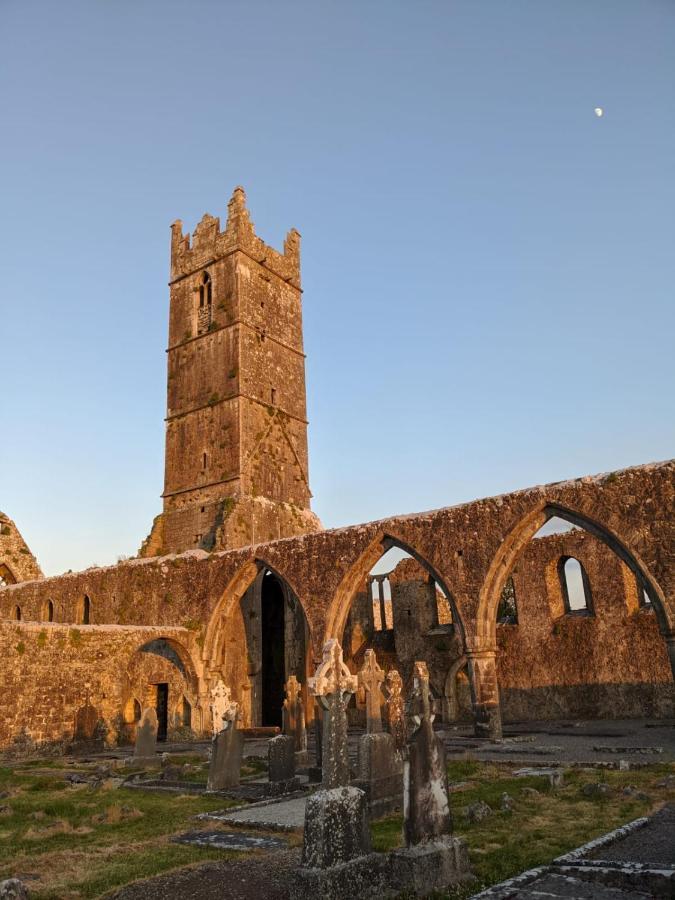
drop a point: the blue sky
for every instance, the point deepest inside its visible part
(488, 267)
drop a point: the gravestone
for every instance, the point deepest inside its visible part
(380, 766)
(293, 719)
(426, 807)
(394, 708)
(336, 828)
(370, 678)
(333, 686)
(227, 744)
(316, 771)
(145, 750)
(281, 758)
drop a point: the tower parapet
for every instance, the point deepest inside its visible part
(190, 253)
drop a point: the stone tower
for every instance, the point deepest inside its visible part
(236, 426)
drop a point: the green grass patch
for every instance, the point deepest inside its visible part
(82, 841)
(540, 827)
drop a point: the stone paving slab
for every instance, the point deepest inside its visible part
(231, 840)
(285, 815)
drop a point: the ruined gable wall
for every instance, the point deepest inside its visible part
(52, 671)
(611, 664)
(16, 561)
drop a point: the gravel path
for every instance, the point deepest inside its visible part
(264, 877)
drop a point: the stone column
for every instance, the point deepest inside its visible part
(670, 644)
(333, 686)
(485, 693)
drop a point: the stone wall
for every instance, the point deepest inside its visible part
(470, 549)
(611, 664)
(56, 676)
(17, 563)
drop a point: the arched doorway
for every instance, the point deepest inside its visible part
(258, 636)
(401, 609)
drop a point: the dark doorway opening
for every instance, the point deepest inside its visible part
(162, 710)
(272, 603)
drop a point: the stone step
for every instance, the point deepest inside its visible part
(552, 885)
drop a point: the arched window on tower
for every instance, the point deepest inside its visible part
(17, 613)
(576, 588)
(205, 304)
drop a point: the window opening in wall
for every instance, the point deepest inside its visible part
(50, 611)
(187, 713)
(274, 395)
(205, 304)
(17, 613)
(86, 610)
(575, 586)
(644, 600)
(507, 612)
(204, 460)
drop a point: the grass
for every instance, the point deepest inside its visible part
(79, 842)
(540, 827)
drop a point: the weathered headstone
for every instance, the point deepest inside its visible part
(336, 828)
(316, 771)
(145, 750)
(333, 686)
(281, 757)
(426, 808)
(293, 718)
(380, 768)
(395, 710)
(227, 744)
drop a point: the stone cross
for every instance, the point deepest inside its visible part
(371, 677)
(224, 709)
(394, 708)
(333, 686)
(426, 807)
(293, 714)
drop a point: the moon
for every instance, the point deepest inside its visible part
(599, 111)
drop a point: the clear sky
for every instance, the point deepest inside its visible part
(488, 267)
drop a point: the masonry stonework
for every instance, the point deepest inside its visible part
(238, 583)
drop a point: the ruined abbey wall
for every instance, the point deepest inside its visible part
(545, 662)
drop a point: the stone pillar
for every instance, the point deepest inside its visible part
(333, 686)
(485, 693)
(670, 644)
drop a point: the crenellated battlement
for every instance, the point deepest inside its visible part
(189, 253)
